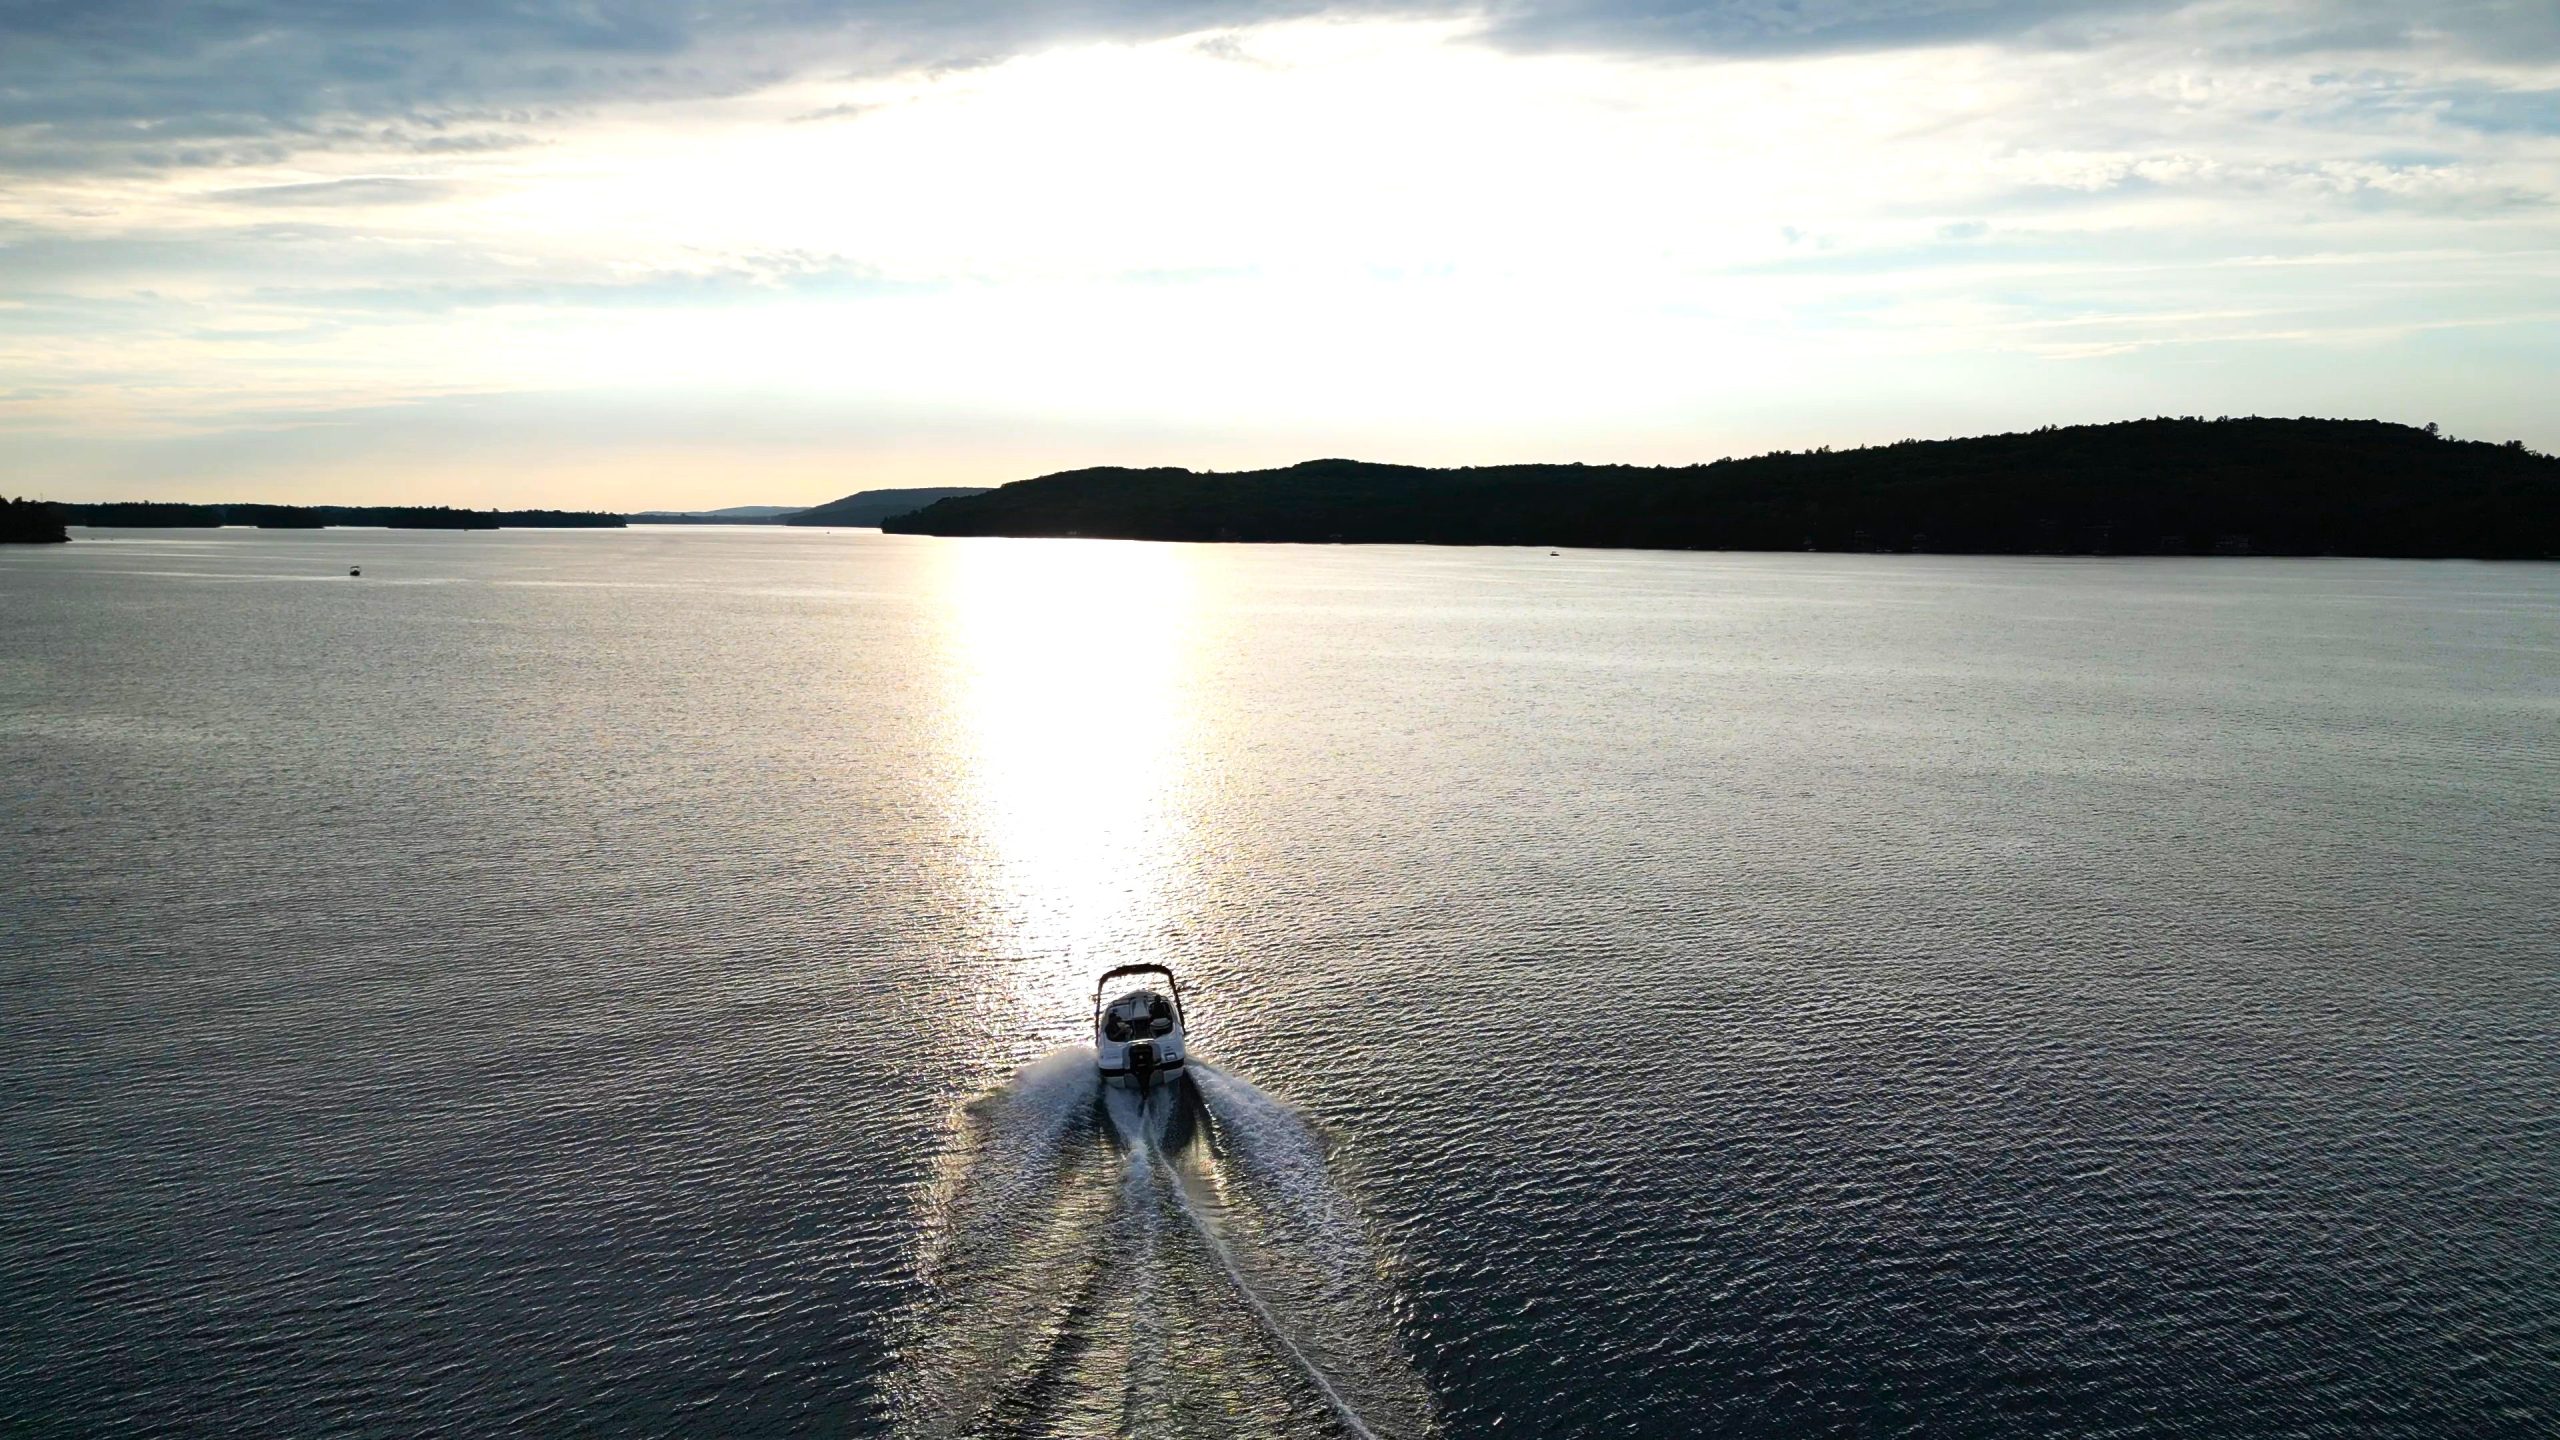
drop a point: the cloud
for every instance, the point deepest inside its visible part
(848, 111)
(352, 190)
(1548, 213)
(1787, 27)
(479, 144)
(2512, 30)
(2430, 188)
(155, 84)
(2502, 112)
(161, 83)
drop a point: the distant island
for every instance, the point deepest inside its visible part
(31, 522)
(2144, 487)
(729, 515)
(874, 507)
(155, 514)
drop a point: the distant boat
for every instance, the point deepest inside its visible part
(355, 569)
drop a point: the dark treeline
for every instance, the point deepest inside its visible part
(2143, 487)
(161, 514)
(30, 522)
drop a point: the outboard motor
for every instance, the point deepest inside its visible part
(1138, 1035)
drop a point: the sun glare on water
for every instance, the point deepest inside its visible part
(1072, 681)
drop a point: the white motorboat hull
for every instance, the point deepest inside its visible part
(1138, 1036)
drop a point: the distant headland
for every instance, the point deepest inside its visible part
(157, 514)
(861, 508)
(2145, 487)
(31, 522)
(872, 507)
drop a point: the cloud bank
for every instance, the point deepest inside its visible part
(180, 82)
(255, 244)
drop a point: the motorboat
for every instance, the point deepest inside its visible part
(1137, 1025)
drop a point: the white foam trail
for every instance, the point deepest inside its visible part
(1050, 1263)
(1141, 1132)
(1142, 1126)
(1043, 1099)
(1286, 1156)
(1022, 1146)
(1271, 1323)
(1007, 1265)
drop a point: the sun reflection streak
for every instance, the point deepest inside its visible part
(1072, 687)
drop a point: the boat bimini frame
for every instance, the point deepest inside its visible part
(1137, 1035)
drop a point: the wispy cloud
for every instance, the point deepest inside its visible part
(347, 190)
(850, 110)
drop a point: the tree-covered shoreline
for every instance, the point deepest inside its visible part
(2146, 487)
(157, 514)
(31, 522)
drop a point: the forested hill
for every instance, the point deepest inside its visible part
(2166, 486)
(871, 507)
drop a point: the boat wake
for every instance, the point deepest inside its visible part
(1180, 1262)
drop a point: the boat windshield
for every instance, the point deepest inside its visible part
(1138, 1015)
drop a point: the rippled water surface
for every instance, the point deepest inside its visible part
(628, 982)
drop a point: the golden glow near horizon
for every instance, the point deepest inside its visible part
(1071, 663)
(1394, 238)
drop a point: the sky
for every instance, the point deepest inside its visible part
(634, 255)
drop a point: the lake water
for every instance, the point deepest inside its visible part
(600, 982)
